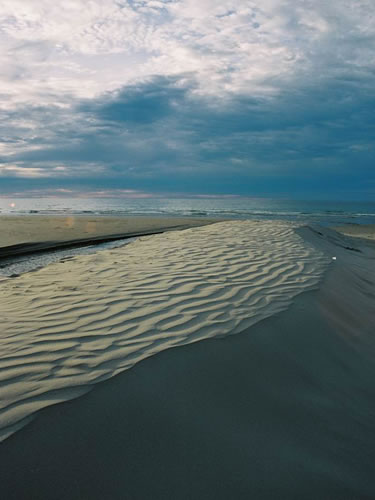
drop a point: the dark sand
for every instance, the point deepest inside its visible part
(285, 410)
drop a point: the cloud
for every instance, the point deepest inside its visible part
(190, 95)
(17, 171)
(77, 193)
(159, 135)
(141, 103)
(82, 50)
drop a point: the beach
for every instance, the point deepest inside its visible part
(230, 360)
(365, 231)
(21, 234)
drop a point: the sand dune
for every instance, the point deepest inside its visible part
(75, 323)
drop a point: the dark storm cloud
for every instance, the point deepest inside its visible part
(163, 136)
(139, 104)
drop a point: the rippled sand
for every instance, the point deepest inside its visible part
(78, 322)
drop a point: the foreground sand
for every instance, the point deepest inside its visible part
(81, 321)
(282, 410)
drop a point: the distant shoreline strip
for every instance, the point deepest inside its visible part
(32, 248)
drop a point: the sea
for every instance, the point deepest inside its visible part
(327, 213)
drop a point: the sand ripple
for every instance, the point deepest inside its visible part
(75, 323)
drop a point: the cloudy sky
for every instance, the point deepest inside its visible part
(263, 97)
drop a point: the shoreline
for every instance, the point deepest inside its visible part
(27, 235)
(365, 231)
(281, 410)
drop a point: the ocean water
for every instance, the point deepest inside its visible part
(327, 213)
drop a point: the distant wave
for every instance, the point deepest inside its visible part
(201, 213)
(327, 213)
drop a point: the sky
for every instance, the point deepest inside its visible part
(229, 97)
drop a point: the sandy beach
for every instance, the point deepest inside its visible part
(365, 231)
(267, 393)
(28, 234)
